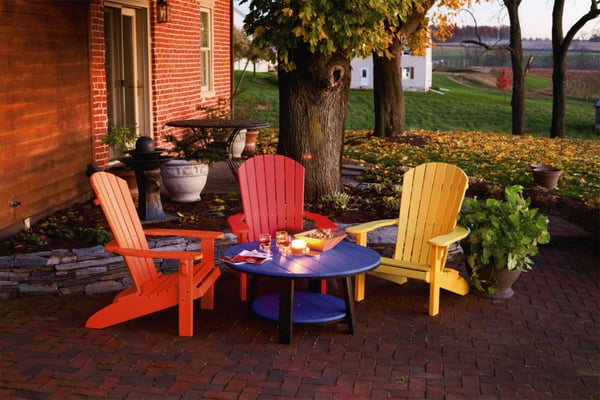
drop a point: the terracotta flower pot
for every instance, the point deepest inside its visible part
(545, 175)
(129, 175)
(251, 136)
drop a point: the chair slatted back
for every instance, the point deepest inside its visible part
(114, 197)
(272, 192)
(432, 195)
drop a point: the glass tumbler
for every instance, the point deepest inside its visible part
(283, 242)
(264, 240)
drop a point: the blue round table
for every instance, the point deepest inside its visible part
(342, 262)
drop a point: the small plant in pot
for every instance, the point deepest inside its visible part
(504, 235)
(122, 139)
(185, 177)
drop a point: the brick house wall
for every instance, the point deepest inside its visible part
(53, 93)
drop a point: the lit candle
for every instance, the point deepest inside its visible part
(298, 247)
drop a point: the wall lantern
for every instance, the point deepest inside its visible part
(163, 11)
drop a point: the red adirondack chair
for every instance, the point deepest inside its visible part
(272, 191)
(152, 291)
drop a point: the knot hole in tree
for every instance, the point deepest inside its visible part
(337, 73)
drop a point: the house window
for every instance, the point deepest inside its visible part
(408, 73)
(206, 50)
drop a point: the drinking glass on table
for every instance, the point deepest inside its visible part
(264, 240)
(283, 242)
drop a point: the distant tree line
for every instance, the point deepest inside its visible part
(493, 33)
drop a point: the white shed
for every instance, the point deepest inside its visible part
(416, 72)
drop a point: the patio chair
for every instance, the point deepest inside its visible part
(432, 195)
(272, 192)
(152, 291)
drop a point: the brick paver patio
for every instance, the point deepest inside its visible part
(541, 344)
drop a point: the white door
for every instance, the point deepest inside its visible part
(364, 77)
(127, 74)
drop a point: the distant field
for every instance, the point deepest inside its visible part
(582, 55)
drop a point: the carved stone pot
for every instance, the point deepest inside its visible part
(184, 179)
(238, 145)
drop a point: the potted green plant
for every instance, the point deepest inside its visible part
(122, 139)
(504, 235)
(185, 177)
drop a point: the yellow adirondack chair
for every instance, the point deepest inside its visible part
(152, 291)
(432, 195)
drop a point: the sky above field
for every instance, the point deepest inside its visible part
(535, 15)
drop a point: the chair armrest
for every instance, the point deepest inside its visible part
(184, 232)
(113, 247)
(321, 221)
(239, 227)
(446, 240)
(360, 231)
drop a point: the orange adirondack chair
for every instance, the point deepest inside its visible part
(272, 191)
(152, 291)
(432, 195)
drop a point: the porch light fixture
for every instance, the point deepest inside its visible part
(163, 11)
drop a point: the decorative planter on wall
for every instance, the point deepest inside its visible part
(545, 175)
(184, 179)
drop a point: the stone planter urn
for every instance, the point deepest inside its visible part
(238, 145)
(545, 175)
(184, 179)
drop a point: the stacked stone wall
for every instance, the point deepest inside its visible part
(83, 271)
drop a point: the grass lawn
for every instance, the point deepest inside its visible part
(465, 105)
(468, 126)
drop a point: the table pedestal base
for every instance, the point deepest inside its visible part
(309, 308)
(290, 307)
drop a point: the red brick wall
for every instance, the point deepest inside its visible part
(99, 116)
(176, 63)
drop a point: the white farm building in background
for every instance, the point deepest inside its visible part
(416, 72)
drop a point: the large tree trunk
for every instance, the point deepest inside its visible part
(516, 57)
(312, 109)
(388, 94)
(559, 91)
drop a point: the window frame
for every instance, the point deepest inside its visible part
(207, 52)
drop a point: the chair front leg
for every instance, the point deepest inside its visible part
(186, 298)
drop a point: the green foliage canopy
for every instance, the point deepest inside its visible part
(352, 28)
